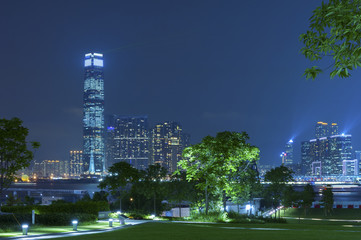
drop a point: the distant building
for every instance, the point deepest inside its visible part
(287, 155)
(93, 117)
(128, 141)
(76, 164)
(167, 143)
(350, 167)
(322, 129)
(325, 155)
(49, 169)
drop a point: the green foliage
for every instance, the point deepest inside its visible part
(88, 207)
(334, 31)
(10, 220)
(307, 197)
(219, 163)
(179, 189)
(14, 152)
(290, 197)
(278, 177)
(211, 216)
(120, 174)
(64, 219)
(327, 200)
(100, 196)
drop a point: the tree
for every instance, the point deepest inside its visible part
(14, 150)
(290, 197)
(327, 200)
(179, 190)
(152, 184)
(100, 196)
(120, 174)
(334, 31)
(217, 162)
(246, 186)
(277, 178)
(307, 197)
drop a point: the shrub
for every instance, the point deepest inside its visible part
(88, 207)
(212, 216)
(53, 219)
(273, 220)
(13, 221)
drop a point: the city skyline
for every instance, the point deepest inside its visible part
(210, 65)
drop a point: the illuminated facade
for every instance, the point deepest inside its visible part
(76, 164)
(50, 169)
(323, 129)
(128, 141)
(350, 167)
(167, 144)
(287, 155)
(325, 155)
(93, 115)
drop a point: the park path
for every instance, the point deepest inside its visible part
(129, 223)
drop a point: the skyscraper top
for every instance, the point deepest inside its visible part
(324, 130)
(93, 59)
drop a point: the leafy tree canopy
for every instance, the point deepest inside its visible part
(14, 150)
(334, 31)
(279, 175)
(217, 162)
(120, 174)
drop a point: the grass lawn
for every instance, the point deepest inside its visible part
(190, 231)
(337, 213)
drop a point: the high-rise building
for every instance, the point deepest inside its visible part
(76, 164)
(128, 141)
(333, 130)
(325, 155)
(287, 155)
(350, 167)
(322, 129)
(167, 144)
(93, 115)
(51, 169)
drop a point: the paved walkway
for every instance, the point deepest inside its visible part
(327, 220)
(129, 223)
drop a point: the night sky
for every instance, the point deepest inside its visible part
(210, 65)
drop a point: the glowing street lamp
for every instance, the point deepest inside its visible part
(25, 228)
(75, 225)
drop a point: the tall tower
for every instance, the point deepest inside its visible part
(288, 156)
(93, 115)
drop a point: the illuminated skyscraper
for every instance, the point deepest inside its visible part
(167, 144)
(76, 163)
(128, 141)
(93, 115)
(287, 158)
(322, 129)
(326, 155)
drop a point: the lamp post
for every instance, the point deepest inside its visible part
(25, 228)
(75, 225)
